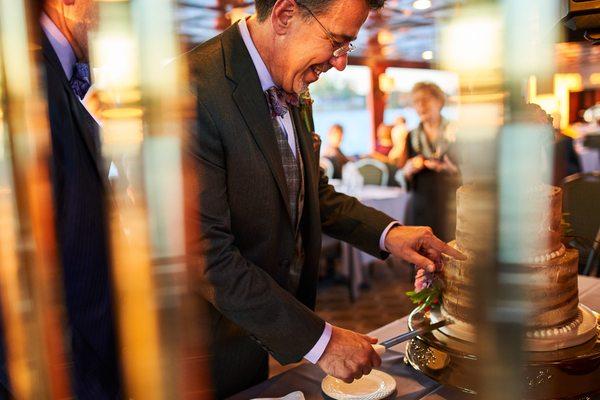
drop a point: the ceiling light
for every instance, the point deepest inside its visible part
(386, 83)
(422, 4)
(385, 37)
(427, 55)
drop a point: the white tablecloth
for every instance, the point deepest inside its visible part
(588, 157)
(390, 200)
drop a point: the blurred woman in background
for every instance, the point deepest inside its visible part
(397, 154)
(384, 143)
(427, 165)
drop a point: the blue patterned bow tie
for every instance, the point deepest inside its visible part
(279, 101)
(80, 80)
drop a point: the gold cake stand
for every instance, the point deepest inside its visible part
(570, 373)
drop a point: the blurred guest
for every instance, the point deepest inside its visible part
(79, 191)
(333, 151)
(384, 143)
(565, 160)
(263, 203)
(397, 155)
(429, 170)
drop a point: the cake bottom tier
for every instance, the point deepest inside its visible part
(573, 333)
(552, 294)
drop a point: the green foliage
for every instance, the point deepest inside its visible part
(428, 297)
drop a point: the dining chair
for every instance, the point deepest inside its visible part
(327, 166)
(581, 209)
(374, 172)
(593, 260)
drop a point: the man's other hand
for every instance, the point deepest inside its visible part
(349, 355)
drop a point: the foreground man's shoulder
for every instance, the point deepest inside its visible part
(212, 48)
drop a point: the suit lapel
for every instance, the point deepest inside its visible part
(252, 103)
(87, 127)
(305, 142)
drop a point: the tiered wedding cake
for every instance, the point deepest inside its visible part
(558, 321)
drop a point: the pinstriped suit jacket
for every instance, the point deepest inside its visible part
(79, 187)
(78, 184)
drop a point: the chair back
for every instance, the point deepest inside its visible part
(327, 166)
(593, 259)
(581, 203)
(374, 172)
(581, 206)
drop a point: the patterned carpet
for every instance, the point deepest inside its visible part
(384, 301)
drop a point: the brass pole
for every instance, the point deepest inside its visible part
(29, 278)
(143, 106)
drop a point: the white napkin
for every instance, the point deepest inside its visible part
(298, 395)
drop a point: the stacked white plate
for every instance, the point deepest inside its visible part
(375, 386)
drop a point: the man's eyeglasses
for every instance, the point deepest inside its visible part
(339, 48)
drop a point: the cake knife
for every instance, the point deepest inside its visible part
(380, 348)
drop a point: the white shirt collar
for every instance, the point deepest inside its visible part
(60, 44)
(266, 81)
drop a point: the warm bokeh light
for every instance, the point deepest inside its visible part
(114, 62)
(472, 43)
(427, 55)
(595, 78)
(386, 83)
(385, 37)
(422, 4)
(556, 103)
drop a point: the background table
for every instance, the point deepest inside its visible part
(410, 384)
(589, 157)
(390, 200)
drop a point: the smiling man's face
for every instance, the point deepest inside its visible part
(306, 51)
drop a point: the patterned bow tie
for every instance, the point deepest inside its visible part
(279, 101)
(80, 80)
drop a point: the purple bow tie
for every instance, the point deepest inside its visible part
(80, 80)
(279, 101)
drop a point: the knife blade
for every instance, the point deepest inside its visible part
(380, 348)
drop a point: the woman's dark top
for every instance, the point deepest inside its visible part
(433, 194)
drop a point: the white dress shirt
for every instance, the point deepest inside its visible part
(65, 55)
(266, 82)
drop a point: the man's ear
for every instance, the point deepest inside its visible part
(281, 15)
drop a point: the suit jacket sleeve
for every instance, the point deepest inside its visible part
(241, 291)
(345, 218)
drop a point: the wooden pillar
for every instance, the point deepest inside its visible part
(376, 100)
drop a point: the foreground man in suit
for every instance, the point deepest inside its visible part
(80, 185)
(79, 191)
(263, 201)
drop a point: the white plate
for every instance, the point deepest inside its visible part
(298, 395)
(375, 386)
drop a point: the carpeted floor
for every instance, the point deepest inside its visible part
(384, 301)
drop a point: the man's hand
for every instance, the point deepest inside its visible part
(349, 355)
(418, 245)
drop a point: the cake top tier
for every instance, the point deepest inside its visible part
(531, 225)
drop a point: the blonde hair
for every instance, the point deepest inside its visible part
(430, 88)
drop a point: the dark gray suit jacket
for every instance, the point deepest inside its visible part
(246, 230)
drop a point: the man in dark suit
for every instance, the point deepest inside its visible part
(263, 202)
(79, 191)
